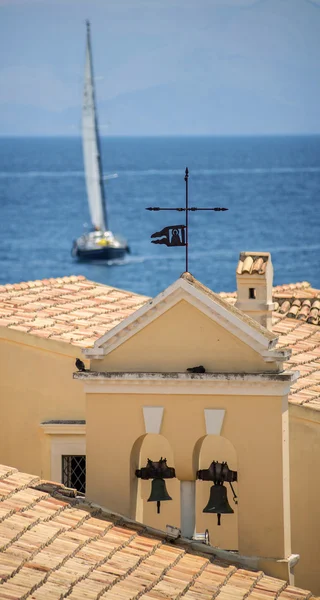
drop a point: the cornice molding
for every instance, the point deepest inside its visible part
(260, 384)
(63, 428)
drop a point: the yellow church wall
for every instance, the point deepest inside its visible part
(252, 424)
(35, 385)
(183, 337)
(305, 494)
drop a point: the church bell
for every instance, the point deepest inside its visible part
(159, 492)
(219, 473)
(158, 472)
(218, 502)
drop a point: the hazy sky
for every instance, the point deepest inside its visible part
(162, 66)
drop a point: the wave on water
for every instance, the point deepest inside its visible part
(111, 176)
(48, 174)
(19, 174)
(119, 262)
(129, 260)
(148, 172)
(228, 171)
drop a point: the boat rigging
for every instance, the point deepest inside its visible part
(100, 243)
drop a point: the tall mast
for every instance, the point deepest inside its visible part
(103, 195)
(92, 146)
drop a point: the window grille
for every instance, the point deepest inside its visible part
(74, 472)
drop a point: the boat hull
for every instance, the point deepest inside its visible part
(100, 253)
(99, 245)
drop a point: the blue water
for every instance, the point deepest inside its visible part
(271, 186)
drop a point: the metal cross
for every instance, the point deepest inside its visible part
(177, 235)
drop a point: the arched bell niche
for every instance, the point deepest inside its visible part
(207, 449)
(153, 446)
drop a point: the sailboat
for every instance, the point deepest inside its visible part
(100, 243)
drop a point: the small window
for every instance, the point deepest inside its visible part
(252, 293)
(74, 472)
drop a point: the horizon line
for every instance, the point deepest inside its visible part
(159, 135)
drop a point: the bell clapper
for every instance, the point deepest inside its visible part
(219, 518)
(158, 506)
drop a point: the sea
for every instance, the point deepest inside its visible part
(270, 185)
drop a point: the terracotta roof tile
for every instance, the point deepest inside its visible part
(298, 301)
(294, 300)
(52, 308)
(252, 263)
(296, 320)
(55, 545)
(304, 341)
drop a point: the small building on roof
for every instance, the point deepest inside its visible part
(137, 400)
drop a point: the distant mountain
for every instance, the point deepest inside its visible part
(207, 109)
(29, 120)
(199, 107)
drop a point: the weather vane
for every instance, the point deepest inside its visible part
(177, 235)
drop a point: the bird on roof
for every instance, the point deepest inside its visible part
(199, 369)
(80, 365)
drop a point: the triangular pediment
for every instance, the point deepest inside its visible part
(187, 323)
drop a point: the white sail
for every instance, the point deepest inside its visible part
(91, 155)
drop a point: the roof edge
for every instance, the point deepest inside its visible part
(29, 339)
(229, 556)
(189, 278)
(241, 325)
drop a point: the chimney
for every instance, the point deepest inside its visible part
(254, 286)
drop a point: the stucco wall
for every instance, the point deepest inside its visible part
(305, 495)
(183, 337)
(35, 385)
(252, 424)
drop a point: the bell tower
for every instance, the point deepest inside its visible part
(184, 396)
